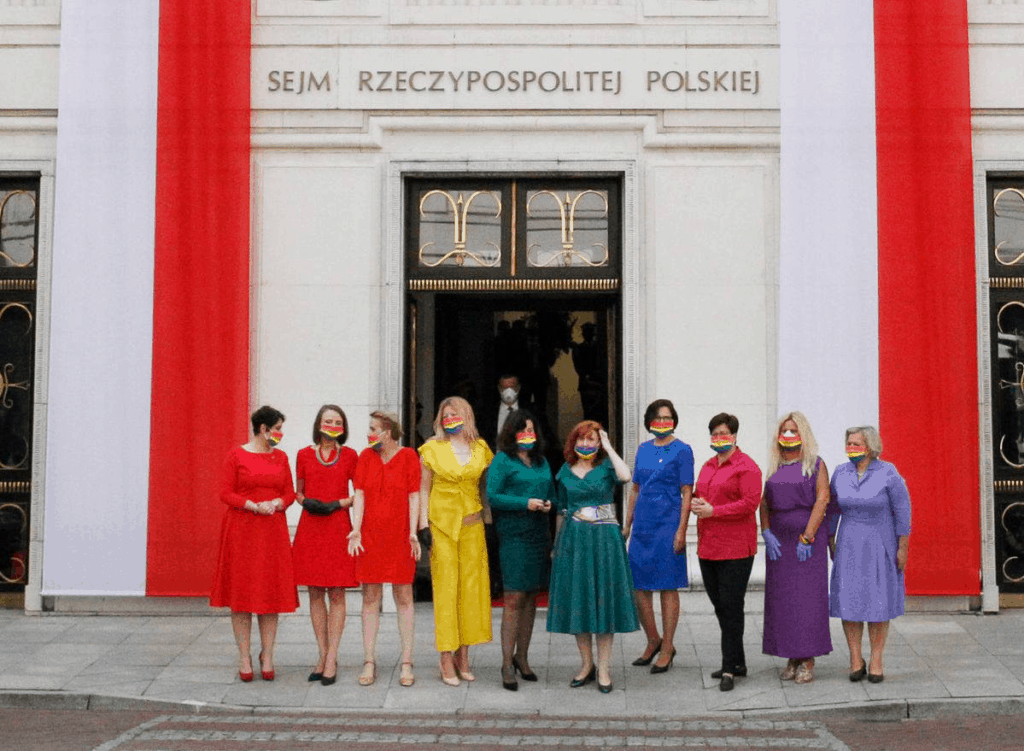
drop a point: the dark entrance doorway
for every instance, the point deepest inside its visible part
(562, 348)
(514, 275)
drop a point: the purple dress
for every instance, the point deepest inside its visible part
(875, 511)
(795, 593)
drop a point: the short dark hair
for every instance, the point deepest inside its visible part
(265, 416)
(652, 411)
(724, 418)
(319, 416)
(584, 428)
(516, 423)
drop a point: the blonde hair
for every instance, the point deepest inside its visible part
(389, 421)
(463, 410)
(808, 446)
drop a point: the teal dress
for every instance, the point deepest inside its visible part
(522, 535)
(591, 587)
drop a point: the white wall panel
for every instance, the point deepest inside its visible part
(828, 277)
(711, 312)
(97, 453)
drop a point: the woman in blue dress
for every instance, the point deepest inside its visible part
(591, 589)
(519, 488)
(657, 515)
(870, 550)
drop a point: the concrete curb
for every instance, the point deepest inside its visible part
(876, 711)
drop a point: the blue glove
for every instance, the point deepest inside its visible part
(772, 546)
(803, 552)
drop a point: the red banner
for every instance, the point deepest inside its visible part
(928, 373)
(200, 394)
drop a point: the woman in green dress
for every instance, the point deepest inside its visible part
(591, 586)
(519, 488)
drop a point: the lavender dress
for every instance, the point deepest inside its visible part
(795, 593)
(866, 585)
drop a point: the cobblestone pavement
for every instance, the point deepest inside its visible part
(375, 731)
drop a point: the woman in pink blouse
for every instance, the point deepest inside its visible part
(725, 503)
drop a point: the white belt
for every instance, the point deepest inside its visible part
(603, 514)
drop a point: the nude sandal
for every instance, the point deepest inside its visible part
(368, 679)
(405, 676)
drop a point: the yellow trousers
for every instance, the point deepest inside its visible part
(462, 588)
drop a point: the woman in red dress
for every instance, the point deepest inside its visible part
(254, 565)
(323, 472)
(383, 538)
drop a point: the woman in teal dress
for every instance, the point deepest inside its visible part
(591, 587)
(519, 488)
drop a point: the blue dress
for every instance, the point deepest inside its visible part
(659, 471)
(874, 512)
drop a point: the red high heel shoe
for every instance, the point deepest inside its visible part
(267, 675)
(246, 677)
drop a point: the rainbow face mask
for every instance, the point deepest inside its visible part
(274, 437)
(856, 453)
(332, 431)
(526, 440)
(585, 452)
(452, 425)
(789, 439)
(373, 441)
(722, 444)
(662, 427)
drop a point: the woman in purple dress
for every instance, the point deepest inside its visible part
(871, 549)
(796, 498)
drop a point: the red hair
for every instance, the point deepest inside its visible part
(585, 428)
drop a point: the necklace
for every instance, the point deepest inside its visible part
(332, 457)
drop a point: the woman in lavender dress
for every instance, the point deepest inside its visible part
(871, 549)
(796, 498)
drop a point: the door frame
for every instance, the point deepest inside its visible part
(392, 372)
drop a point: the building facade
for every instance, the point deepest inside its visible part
(738, 206)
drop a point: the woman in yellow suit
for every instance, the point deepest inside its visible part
(453, 461)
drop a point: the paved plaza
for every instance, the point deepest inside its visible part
(935, 664)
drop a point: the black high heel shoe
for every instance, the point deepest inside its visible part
(591, 676)
(508, 678)
(526, 676)
(641, 660)
(655, 669)
(858, 675)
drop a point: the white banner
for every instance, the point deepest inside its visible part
(97, 462)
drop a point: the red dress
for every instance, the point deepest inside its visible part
(254, 564)
(387, 555)
(320, 551)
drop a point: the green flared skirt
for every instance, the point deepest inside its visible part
(591, 586)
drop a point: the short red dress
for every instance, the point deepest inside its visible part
(387, 555)
(320, 551)
(254, 564)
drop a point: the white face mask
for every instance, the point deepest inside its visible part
(509, 395)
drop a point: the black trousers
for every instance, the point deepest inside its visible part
(726, 585)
